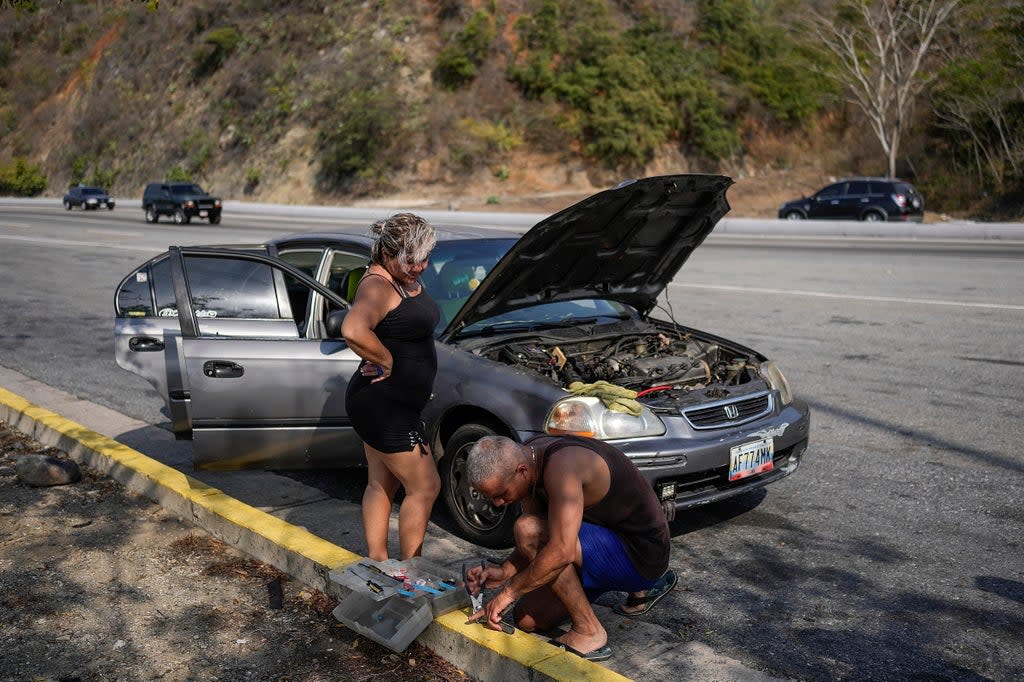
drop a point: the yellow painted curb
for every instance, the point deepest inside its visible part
(529, 650)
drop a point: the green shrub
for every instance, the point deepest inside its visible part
(20, 178)
(102, 177)
(768, 62)
(460, 58)
(361, 145)
(179, 174)
(571, 52)
(218, 44)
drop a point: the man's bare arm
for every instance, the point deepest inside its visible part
(564, 485)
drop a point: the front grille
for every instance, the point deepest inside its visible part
(727, 413)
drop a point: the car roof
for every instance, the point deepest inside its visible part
(444, 233)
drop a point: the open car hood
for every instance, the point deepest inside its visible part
(625, 244)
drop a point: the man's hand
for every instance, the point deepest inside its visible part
(490, 615)
(484, 576)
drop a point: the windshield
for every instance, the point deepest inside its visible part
(187, 189)
(92, 191)
(456, 269)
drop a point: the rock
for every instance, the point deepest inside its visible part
(43, 470)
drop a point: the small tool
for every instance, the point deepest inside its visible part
(476, 601)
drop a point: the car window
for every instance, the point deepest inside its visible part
(92, 191)
(232, 288)
(186, 189)
(133, 297)
(306, 260)
(857, 187)
(339, 279)
(551, 314)
(456, 270)
(831, 191)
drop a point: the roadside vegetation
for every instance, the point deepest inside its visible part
(354, 99)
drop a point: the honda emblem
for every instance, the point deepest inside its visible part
(731, 411)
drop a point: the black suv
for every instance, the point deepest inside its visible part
(181, 200)
(871, 199)
(87, 198)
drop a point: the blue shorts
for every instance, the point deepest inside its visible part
(606, 565)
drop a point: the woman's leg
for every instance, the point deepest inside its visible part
(418, 475)
(381, 486)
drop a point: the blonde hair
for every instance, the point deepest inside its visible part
(403, 236)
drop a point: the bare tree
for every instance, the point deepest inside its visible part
(881, 52)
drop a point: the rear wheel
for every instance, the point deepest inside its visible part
(873, 217)
(151, 215)
(480, 521)
(67, 205)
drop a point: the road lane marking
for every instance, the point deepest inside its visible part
(851, 297)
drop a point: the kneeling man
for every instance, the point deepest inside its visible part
(590, 524)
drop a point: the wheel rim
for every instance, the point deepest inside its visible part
(471, 506)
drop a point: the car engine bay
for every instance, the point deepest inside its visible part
(664, 365)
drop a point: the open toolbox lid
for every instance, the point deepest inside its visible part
(392, 602)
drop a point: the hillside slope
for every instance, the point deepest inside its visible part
(264, 101)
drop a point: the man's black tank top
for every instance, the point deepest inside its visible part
(630, 509)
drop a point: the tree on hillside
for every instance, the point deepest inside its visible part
(883, 49)
(979, 101)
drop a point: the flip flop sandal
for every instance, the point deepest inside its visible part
(599, 654)
(663, 586)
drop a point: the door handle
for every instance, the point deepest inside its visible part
(145, 344)
(222, 369)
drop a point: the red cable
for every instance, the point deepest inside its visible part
(652, 389)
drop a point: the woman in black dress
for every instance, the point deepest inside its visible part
(391, 327)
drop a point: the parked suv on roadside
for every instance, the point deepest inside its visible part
(183, 201)
(870, 199)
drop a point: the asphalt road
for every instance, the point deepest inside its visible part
(895, 552)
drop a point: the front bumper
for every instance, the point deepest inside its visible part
(690, 468)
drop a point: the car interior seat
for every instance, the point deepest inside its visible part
(350, 282)
(458, 278)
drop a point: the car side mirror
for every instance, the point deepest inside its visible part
(332, 325)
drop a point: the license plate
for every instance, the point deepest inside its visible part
(202, 214)
(751, 459)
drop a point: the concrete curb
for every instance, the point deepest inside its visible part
(482, 653)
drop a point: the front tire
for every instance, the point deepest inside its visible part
(479, 521)
(215, 219)
(795, 215)
(180, 218)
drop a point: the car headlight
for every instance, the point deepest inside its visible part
(189, 204)
(776, 380)
(588, 416)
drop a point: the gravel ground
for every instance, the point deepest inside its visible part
(98, 583)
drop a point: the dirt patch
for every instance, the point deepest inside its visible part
(97, 583)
